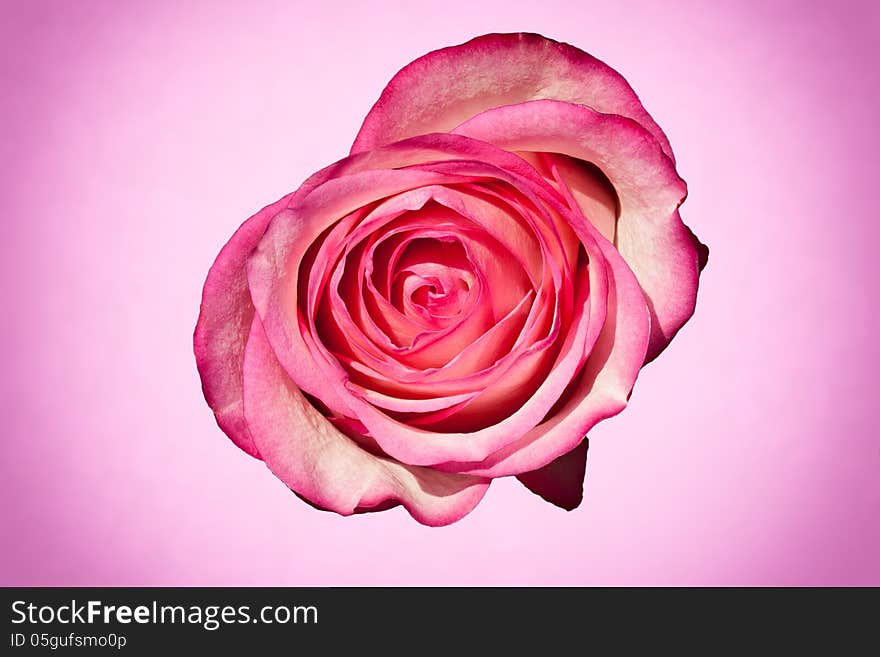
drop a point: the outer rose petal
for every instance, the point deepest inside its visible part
(442, 89)
(560, 482)
(651, 237)
(223, 326)
(302, 448)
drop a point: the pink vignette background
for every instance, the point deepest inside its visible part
(137, 136)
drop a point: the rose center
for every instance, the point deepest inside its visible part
(440, 297)
(433, 280)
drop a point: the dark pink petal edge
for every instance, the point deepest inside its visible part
(560, 482)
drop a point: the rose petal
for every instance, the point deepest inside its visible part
(223, 326)
(442, 89)
(560, 482)
(481, 357)
(303, 449)
(651, 237)
(587, 189)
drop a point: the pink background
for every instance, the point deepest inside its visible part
(136, 137)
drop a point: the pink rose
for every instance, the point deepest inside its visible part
(464, 296)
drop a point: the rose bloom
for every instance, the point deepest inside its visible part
(464, 296)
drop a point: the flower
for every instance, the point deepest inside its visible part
(461, 298)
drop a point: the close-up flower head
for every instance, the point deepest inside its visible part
(461, 298)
